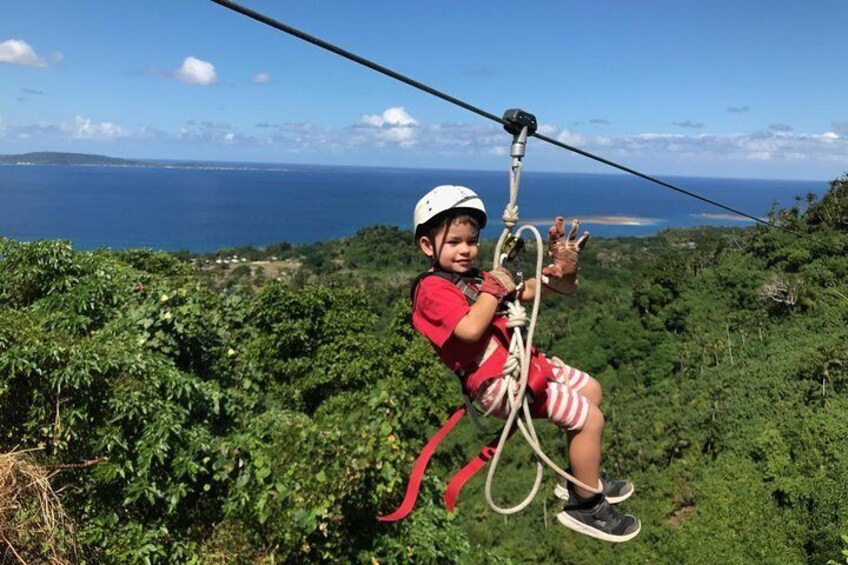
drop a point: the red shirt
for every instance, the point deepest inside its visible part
(439, 306)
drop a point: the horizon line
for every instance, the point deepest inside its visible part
(154, 161)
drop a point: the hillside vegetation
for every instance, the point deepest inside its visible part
(188, 411)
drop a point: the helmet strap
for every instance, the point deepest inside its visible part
(434, 260)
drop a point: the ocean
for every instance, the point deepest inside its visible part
(227, 205)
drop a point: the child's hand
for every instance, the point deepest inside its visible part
(498, 282)
(561, 275)
(564, 251)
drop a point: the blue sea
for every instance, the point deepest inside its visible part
(206, 208)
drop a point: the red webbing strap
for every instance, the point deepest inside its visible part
(458, 481)
(537, 385)
(418, 469)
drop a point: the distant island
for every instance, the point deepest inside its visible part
(88, 160)
(56, 158)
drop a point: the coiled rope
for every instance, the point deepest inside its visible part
(516, 369)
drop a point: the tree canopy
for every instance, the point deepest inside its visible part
(193, 416)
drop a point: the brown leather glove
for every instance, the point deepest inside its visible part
(498, 282)
(561, 275)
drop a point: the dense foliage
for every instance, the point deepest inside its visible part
(201, 417)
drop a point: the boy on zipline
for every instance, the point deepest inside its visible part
(457, 309)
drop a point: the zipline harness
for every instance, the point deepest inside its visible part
(516, 369)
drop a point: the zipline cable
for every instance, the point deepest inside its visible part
(479, 111)
(658, 181)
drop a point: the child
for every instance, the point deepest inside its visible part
(458, 311)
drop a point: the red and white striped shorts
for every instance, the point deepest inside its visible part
(562, 404)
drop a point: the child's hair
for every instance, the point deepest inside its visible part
(438, 223)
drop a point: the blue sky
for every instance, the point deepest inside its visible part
(713, 88)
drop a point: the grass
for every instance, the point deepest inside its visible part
(33, 525)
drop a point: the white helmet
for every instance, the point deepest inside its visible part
(447, 197)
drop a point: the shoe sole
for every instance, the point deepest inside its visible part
(562, 494)
(580, 527)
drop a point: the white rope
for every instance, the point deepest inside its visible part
(517, 366)
(510, 215)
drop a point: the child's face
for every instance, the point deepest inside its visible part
(456, 247)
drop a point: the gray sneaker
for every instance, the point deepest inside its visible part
(615, 490)
(600, 520)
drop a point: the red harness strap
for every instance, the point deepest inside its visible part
(471, 468)
(418, 469)
(536, 385)
(464, 475)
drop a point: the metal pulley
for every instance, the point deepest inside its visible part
(520, 124)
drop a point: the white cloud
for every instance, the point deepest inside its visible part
(18, 52)
(84, 128)
(547, 130)
(396, 130)
(57, 57)
(756, 146)
(570, 138)
(80, 128)
(196, 71)
(376, 121)
(261, 78)
(40, 130)
(215, 133)
(395, 126)
(396, 116)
